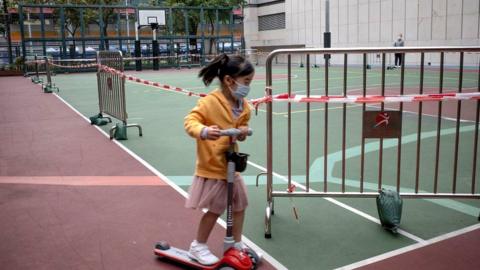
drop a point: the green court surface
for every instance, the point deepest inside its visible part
(327, 234)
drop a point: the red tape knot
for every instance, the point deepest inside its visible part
(284, 96)
(291, 188)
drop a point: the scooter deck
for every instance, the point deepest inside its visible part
(181, 256)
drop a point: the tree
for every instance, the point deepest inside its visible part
(72, 20)
(194, 16)
(93, 15)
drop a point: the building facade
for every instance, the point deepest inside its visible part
(361, 23)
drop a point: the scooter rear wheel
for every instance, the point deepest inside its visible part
(253, 257)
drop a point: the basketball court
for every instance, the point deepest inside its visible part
(74, 196)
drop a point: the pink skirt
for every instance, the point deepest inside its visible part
(211, 194)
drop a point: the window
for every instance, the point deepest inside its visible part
(271, 22)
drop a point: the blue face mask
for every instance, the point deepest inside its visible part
(241, 91)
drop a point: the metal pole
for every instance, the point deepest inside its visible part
(128, 26)
(327, 35)
(22, 33)
(62, 29)
(102, 35)
(202, 27)
(29, 32)
(138, 52)
(7, 26)
(42, 29)
(243, 29)
(327, 16)
(155, 48)
(268, 90)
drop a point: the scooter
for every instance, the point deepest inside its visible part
(232, 258)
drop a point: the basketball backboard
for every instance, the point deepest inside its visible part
(151, 16)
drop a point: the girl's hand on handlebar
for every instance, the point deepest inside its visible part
(213, 133)
(244, 133)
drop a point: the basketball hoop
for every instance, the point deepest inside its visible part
(153, 22)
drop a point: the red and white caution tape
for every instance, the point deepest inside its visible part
(180, 56)
(152, 84)
(365, 99)
(74, 66)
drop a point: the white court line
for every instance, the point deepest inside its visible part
(399, 251)
(338, 203)
(164, 178)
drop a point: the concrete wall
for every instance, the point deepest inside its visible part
(370, 23)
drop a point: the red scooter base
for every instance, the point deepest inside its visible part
(232, 258)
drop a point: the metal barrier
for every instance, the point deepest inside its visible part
(340, 189)
(36, 78)
(111, 89)
(49, 87)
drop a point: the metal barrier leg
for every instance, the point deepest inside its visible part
(268, 220)
(49, 87)
(140, 133)
(258, 175)
(112, 132)
(117, 128)
(36, 79)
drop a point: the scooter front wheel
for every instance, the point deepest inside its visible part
(226, 268)
(162, 245)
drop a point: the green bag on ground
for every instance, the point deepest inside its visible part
(94, 118)
(389, 206)
(99, 120)
(120, 132)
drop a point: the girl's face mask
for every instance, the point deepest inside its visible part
(241, 91)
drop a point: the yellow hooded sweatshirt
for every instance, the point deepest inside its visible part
(213, 109)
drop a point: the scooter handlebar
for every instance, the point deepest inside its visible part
(232, 132)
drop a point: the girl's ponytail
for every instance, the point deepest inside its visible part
(234, 66)
(212, 70)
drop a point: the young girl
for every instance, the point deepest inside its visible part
(222, 108)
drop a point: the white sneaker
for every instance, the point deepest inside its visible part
(200, 253)
(240, 246)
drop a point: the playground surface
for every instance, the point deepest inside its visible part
(73, 199)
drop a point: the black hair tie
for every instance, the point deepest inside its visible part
(225, 59)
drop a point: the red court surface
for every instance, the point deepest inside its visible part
(72, 199)
(460, 252)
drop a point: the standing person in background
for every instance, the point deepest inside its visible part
(398, 56)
